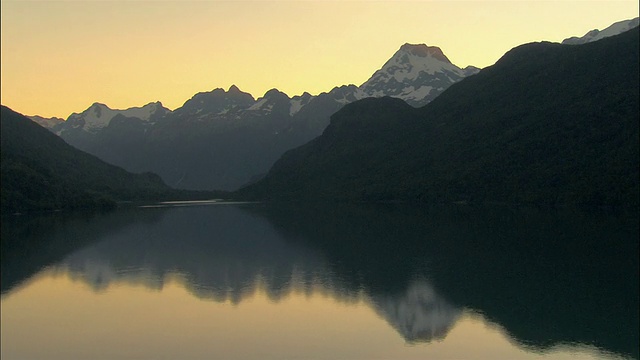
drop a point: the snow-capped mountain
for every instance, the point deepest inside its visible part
(46, 122)
(214, 104)
(415, 74)
(98, 116)
(595, 35)
(234, 104)
(273, 100)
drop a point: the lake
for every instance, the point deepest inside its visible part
(321, 281)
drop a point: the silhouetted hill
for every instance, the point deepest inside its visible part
(40, 171)
(548, 123)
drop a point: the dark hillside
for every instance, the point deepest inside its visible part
(547, 124)
(40, 172)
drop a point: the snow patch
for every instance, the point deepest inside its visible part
(258, 105)
(98, 116)
(296, 105)
(419, 94)
(403, 66)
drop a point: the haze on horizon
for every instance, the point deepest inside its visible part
(59, 57)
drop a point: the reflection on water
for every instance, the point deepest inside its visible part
(419, 315)
(543, 279)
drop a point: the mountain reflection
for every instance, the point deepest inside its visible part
(419, 314)
(546, 277)
(221, 253)
(230, 254)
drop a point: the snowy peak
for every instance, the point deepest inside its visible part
(595, 35)
(216, 102)
(411, 61)
(99, 115)
(271, 98)
(267, 101)
(416, 73)
(146, 112)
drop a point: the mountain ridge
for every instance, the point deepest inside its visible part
(422, 49)
(595, 35)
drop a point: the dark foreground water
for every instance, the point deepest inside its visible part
(252, 281)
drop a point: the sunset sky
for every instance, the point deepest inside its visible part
(59, 57)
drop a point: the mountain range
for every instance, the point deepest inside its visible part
(225, 139)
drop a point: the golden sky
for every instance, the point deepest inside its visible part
(59, 57)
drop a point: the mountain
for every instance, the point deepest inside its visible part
(222, 143)
(113, 135)
(98, 116)
(548, 123)
(48, 123)
(214, 104)
(41, 172)
(415, 74)
(225, 139)
(595, 35)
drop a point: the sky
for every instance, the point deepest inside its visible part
(59, 57)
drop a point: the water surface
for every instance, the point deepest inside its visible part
(251, 281)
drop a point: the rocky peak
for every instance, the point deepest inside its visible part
(234, 90)
(275, 93)
(216, 101)
(422, 50)
(416, 73)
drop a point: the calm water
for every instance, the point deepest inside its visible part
(251, 281)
